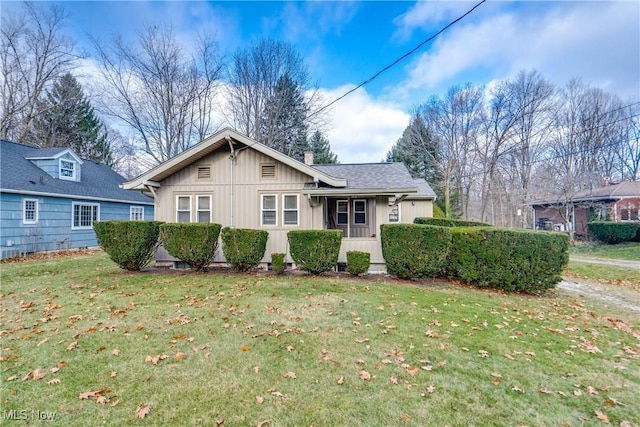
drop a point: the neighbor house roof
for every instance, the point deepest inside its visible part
(98, 181)
(623, 190)
(360, 179)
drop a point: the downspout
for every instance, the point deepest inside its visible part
(232, 157)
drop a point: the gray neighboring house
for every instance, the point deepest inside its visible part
(235, 181)
(50, 197)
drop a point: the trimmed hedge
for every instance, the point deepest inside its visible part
(512, 260)
(277, 262)
(130, 244)
(193, 243)
(615, 232)
(358, 262)
(315, 251)
(448, 222)
(414, 250)
(243, 248)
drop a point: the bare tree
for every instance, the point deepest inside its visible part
(455, 120)
(33, 52)
(253, 75)
(165, 94)
(629, 153)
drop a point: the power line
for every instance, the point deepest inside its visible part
(406, 55)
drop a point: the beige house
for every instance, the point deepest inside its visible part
(235, 181)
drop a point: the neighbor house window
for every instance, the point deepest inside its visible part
(359, 211)
(183, 208)
(343, 212)
(85, 214)
(136, 213)
(629, 213)
(394, 213)
(29, 211)
(67, 169)
(269, 209)
(290, 209)
(203, 208)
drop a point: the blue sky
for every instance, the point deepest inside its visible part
(344, 43)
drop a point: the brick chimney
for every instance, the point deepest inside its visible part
(308, 158)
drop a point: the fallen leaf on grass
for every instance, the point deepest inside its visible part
(518, 389)
(259, 399)
(262, 423)
(341, 380)
(364, 375)
(612, 402)
(72, 345)
(142, 411)
(35, 375)
(602, 417)
(57, 381)
(290, 374)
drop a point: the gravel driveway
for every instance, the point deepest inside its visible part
(623, 297)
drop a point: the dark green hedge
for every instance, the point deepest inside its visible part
(193, 243)
(130, 244)
(358, 262)
(512, 260)
(243, 248)
(448, 222)
(413, 250)
(615, 232)
(315, 251)
(278, 264)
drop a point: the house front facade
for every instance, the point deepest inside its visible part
(235, 181)
(618, 203)
(50, 198)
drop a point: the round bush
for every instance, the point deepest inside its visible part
(315, 251)
(243, 248)
(277, 263)
(193, 243)
(130, 244)
(358, 262)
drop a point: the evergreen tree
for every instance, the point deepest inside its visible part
(321, 149)
(282, 126)
(66, 119)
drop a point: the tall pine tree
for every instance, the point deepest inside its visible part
(66, 119)
(282, 125)
(321, 149)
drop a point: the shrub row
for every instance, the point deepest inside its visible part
(131, 245)
(615, 232)
(512, 260)
(448, 222)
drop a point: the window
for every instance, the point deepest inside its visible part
(343, 212)
(29, 211)
(204, 172)
(290, 209)
(136, 213)
(85, 214)
(628, 213)
(203, 208)
(394, 213)
(269, 210)
(359, 211)
(183, 208)
(267, 170)
(67, 169)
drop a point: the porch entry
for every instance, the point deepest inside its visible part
(355, 216)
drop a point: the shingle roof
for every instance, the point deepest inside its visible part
(98, 181)
(611, 192)
(376, 176)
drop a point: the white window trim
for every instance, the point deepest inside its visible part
(177, 205)
(74, 171)
(297, 210)
(198, 210)
(24, 211)
(338, 202)
(262, 210)
(139, 209)
(83, 227)
(357, 212)
(399, 214)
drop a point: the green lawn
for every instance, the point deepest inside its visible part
(628, 251)
(99, 346)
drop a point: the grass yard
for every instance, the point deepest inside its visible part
(629, 250)
(94, 345)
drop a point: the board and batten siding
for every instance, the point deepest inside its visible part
(53, 229)
(236, 188)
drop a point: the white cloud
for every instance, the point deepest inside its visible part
(363, 129)
(598, 41)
